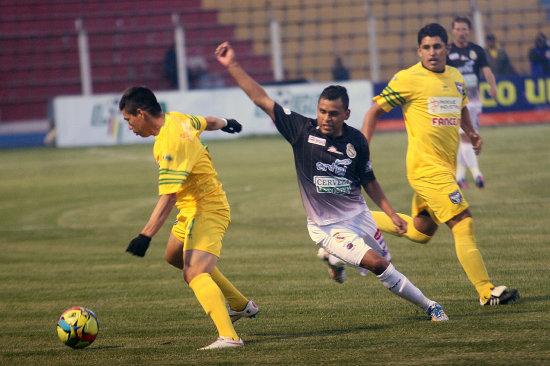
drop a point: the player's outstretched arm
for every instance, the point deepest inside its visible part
(226, 57)
(466, 124)
(138, 246)
(226, 125)
(377, 195)
(371, 119)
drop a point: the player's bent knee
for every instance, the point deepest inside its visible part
(374, 262)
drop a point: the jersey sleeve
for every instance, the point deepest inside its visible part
(181, 152)
(366, 174)
(288, 123)
(396, 93)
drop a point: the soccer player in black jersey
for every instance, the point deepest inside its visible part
(333, 165)
(471, 61)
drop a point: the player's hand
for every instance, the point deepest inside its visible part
(138, 246)
(400, 224)
(476, 141)
(225, 54)
(232, 126)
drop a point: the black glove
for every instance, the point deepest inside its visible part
(232, 126)
(139, 245)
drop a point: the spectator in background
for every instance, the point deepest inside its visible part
(498, 59)
(339, 71)
(539, 56)
(170, 67)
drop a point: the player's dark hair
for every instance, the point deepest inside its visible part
(432, 30)
(335, 92)
(461, 19)
(139, 97)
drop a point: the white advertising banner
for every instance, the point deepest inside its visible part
(96, 120)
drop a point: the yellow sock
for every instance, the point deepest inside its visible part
(211, 299)
(385, 224)
(470, 257)
(236, 300)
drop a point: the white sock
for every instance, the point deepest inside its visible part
(470, 158)
(335, 261)
(400, 285)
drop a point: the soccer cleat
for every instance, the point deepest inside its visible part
(500, 295)
(337, 273)
(480, 182)
(463, 184)
(250, 311)
(224, 342)
(436, 312)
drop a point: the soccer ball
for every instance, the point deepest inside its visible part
(77, 327)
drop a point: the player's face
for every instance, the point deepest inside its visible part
(331, 115)
(137, 123)
(461, 33)
(433, 53)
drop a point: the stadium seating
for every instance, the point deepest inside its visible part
(128, 39)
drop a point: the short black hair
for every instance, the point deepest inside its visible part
(139, 97)
(461, 19)
(432, 30)
(335, 92)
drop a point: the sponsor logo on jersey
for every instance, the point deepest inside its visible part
(167, 158)
(456, 197)
(339, 237)
(377, 234)
(453, 56)
(350, 151)
(349, 245)
(332, 185)
(446, 121)
(333, 149)
(316, 140)
(439, 105)
(368, 168)
(287, 111)
(339, 167)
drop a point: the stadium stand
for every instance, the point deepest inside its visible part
(128, 39)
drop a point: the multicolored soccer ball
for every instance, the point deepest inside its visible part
(77, 327)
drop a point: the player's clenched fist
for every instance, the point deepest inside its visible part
(138, 246)
(225, 54)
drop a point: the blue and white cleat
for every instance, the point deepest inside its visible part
(250, 311)
(436, 312)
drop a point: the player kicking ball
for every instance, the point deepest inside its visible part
(333, 165)
(188, 180)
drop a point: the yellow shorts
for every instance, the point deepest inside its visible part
(442, 200)
(202, 232)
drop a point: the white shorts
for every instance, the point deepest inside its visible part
(349, 240)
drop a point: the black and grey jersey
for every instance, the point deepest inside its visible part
(469, 61)
(330, 171)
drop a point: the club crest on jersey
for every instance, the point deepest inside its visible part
(349, 245)
(316, 140)
(459, 88)
(350, 151)
(473, 55)
(456, 197)
(167, 158)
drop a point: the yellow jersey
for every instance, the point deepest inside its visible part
(185, 166)
(432, 104)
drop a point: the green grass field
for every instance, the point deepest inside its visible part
(67, 215)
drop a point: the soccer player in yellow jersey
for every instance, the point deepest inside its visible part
(187, 179)
(433, 99)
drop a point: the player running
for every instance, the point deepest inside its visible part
(434, 100)
(332, 164)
